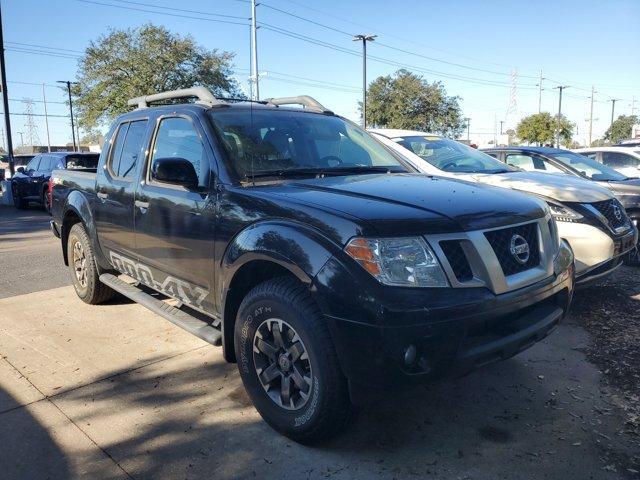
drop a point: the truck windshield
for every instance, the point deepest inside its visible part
(273, 142)
(452, 156)
(588, 167)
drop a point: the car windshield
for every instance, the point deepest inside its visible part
(588, 167)
(264, 142)
(452, 156)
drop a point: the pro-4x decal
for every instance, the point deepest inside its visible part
(186, 292)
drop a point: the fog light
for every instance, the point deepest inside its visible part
(410, 354)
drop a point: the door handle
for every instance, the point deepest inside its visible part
(143, 206)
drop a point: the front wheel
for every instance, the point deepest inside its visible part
(18, 201)
(288, 362)
(633, 257)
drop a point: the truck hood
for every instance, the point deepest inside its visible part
(403, 204)
(563, 188)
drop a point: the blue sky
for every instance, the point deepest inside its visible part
(471, 46)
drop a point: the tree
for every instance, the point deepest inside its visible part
(407, 101)
(621, 128)
(542, 128)
(92, 137)
(128, 63)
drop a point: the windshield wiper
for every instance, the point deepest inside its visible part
(301, 172)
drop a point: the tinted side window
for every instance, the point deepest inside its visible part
(131, 149)
(113, 162)
(126, 148)
(178, 138)
(618, 159)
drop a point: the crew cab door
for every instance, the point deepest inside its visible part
(115, 187)
(175, 225)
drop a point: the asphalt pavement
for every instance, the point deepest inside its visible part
(113, 391)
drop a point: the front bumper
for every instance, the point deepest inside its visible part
(596, 252)
(453, 331)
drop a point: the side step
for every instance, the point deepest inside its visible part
(191, 324)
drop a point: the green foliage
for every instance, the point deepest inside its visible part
(128, 63)
(598, 142)
(92, 137)
(541, 128)
(407, 101)
(621, 128)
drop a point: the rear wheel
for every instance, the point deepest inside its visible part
(45, 199)
(83, 268)
(288, 362)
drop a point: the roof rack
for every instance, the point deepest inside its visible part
(305, 100)
(204, 96)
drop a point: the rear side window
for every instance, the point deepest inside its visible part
(126, 148)
(78, 162)
(619, 159)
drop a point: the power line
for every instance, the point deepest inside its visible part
(43, 46)
(198, 12)
(231, 22)
(47, 54)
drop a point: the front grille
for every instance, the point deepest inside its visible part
(608, 208)
(457, 259)
(500, 240)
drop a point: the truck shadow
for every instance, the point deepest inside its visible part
(22, 438)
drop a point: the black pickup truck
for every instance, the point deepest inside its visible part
(320, 261)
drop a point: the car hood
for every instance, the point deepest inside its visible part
(563, 188)
(402, 204)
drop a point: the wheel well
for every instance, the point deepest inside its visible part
(245, 279)
(70, 219)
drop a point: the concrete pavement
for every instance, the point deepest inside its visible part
(113, 391)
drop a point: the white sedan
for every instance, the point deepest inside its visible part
(625, 160)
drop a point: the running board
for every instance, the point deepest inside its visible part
(191, 324)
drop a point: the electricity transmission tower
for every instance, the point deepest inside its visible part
(30, 126)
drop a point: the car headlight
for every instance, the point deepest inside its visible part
(564, 214)
(406, 262)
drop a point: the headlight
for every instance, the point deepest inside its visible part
(406, 262)
(564, 214)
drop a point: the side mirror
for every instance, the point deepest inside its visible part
(20, 170)
(176, 171)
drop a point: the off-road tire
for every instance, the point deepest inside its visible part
(18, 202)
(328, 409)
(93, 291)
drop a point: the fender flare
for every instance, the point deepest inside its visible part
(78, 205)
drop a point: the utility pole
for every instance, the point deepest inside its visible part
(591, 117)
(21, 138)
(468, 121)
(73, 127)
(254, 51)
(540, 92)
(364, 39)
(46, 118)
(559, 87)
(633, 105)
(5, 98)
(613, 109)
(501, 124)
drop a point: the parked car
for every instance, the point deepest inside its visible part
(588, 216)
(31, 183)
(630, 143)
(318, 258)
(625, 160)
(18, 161)
(552, 160)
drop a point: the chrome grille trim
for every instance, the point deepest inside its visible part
(484, 263)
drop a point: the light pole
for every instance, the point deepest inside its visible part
(468, 121)
(21, 138)
(364, 39)
(560, 88)
(591, 117)
(501, 124)
(540, 92)
(73, 127)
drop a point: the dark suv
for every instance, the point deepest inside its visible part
(31, 183)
